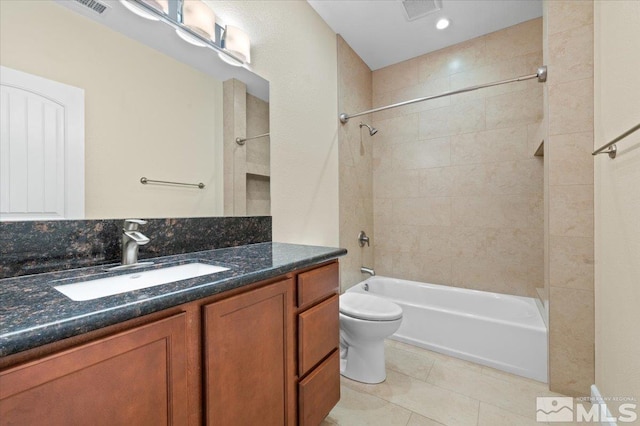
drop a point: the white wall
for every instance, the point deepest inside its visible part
(617, 202)
(295, 50)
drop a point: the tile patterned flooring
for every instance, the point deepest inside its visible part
(425, 388)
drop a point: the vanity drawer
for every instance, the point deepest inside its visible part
(318, 333)
(319, 392)
(318, 283)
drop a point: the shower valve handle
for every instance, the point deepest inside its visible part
(363, 239)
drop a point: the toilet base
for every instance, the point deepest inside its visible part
(364, 362)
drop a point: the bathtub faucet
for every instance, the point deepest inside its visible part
(369, 271)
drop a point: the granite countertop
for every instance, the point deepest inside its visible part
(33, 313)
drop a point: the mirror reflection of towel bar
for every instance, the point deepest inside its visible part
(144, 181)
(241, 141)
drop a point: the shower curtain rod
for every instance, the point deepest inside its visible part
(541, 75)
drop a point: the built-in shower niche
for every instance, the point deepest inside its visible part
(246, 152)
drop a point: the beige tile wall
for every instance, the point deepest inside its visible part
(355, 155)
(458, 195)
(569, 278)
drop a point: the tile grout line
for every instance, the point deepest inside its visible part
(409, 419)
(435, 386)
(480, 401)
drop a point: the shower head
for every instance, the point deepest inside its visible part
(372, 130)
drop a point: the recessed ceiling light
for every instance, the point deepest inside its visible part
(442, 24)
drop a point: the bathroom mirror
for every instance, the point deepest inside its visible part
(155, 106)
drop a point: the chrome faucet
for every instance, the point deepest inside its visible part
(132, 239)
(369, 271)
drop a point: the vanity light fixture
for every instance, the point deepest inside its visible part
(195, 23)
(189, 38)
(236, 42)
(200, 18)
(159, 5)
(442, 23)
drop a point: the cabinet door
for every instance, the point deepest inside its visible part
(246, 371)
(135, 377)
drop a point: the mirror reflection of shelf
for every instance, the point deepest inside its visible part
(258, 169)
(258, 195)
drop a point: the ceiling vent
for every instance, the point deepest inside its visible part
(96, 6)
(415, 9)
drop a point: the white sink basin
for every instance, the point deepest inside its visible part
(95, 289)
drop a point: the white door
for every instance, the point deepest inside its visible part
(41, 148)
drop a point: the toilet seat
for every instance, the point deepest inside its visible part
(368, 307)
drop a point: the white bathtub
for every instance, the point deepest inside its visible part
(501, 331)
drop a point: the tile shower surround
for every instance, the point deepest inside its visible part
(33, 247)
(457, 192)
(355, 168)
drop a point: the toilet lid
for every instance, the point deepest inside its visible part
(368, 307)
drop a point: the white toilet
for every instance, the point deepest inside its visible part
(365, 321)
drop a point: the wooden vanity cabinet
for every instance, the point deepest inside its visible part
(266, 354)
(137, 376)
